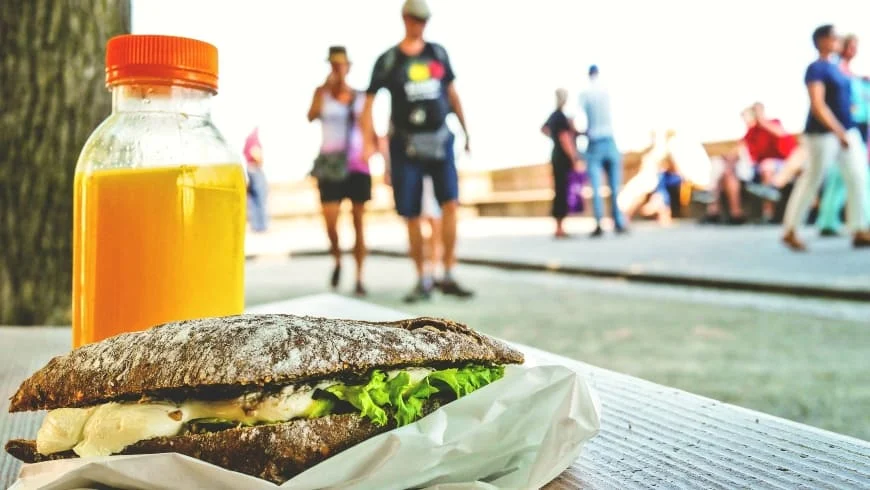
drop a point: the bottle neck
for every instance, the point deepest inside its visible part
(161, 98)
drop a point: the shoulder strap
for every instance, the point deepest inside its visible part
(390, 58)
(393, 53)
(439, 51)
(351, 118)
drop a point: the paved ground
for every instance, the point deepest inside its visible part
(750, 255)
(803, 359)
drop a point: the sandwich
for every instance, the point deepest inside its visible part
(265, 395)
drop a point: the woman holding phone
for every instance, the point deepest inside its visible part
(340, 169)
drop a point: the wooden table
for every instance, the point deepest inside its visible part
(651, 435)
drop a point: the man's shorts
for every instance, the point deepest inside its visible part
(778, 165)
(430, 207)
(408, 173)
(356, 186)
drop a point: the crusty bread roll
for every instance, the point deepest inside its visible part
(220, 358)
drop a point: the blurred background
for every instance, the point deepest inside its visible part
(672, 63)
(722, 311)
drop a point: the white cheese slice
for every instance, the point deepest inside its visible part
(109, 428)
(61, 429)
(114, 426)
(222, 409)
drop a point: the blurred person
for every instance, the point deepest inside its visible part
(602, 155)
(834, 194)
(430, 212)
(645, 181)
(670, 151)
(258, 187)
(346, 176)
(563, 158)
(726, 177)
(777, 156)
(831, 134)
(658, 204)
(419, 77)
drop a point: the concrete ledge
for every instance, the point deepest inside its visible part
(656, 278)
(799, 290)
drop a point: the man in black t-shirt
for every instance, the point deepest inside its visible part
(419, 77)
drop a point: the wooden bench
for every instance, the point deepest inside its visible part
(527, 190)
(515, 191)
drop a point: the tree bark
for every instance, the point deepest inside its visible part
(52, 95)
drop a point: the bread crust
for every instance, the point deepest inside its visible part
(272, 452)
(246, 352)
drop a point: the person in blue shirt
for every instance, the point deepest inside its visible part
(834, 195)
(831, 135)
(602, 154)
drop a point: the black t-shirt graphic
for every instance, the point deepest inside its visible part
(417, 85)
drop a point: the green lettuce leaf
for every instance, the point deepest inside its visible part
(319, 408)
(360, 397)
(381, 398)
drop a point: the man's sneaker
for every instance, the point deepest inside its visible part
(451, 287)
(711, 219)
(766, 192)
(419, 293)
(828, 233)
(597, 232)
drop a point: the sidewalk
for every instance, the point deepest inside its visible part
(744, 258)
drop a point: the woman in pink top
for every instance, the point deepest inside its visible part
(331, 104)
(258, 216)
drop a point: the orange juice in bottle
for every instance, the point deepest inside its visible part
(159, 196)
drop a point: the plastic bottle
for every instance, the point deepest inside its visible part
(159, 212)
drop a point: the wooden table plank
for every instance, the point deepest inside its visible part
(651, 435)
(23, 350)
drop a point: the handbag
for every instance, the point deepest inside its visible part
(332, 167)
(428, 145)
(576, 204)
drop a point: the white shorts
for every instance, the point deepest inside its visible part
(429, 207)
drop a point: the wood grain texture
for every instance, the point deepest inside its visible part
(651, 435)
(52, 95)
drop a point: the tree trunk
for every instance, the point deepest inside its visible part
(52, 95)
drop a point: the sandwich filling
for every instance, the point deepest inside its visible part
(380, 396)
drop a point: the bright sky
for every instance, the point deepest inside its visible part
(690, 64)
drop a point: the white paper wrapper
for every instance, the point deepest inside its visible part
(520, 432)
